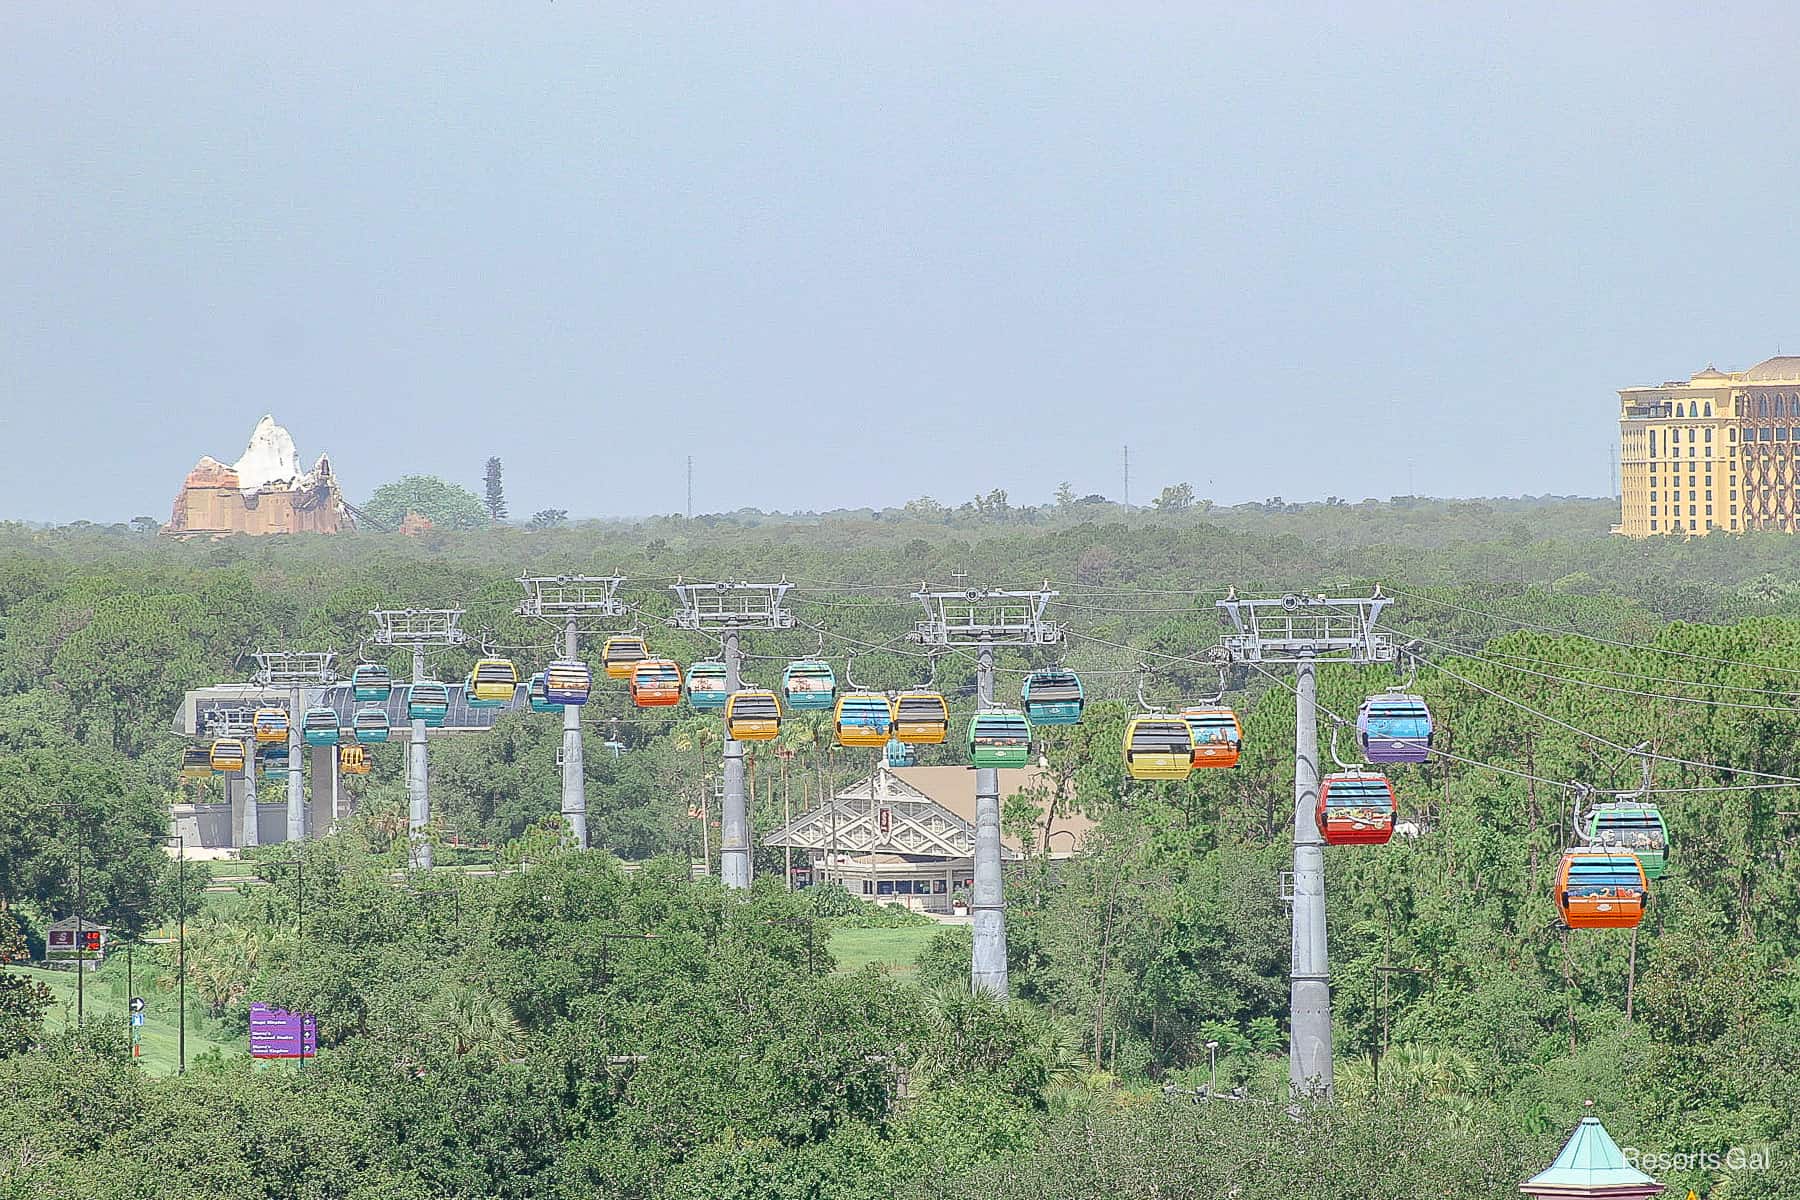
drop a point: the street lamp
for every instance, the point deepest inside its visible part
(1212, 1054)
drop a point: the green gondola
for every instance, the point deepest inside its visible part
(1000, 738)
(1638, 828)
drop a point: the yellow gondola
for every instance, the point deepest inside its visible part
(1159, 746)
(493, 681)
(921, 719)
(621, 653)
(227, 755)
(270, 724)
(196, 763)
(353, 760)
(753, 715)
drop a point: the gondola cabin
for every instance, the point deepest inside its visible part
(196, 763)
(319, 727)
(371, 726)
(270, 725)
(1600, 889)
(492, 683)
(706, 690)
(353, 759)
(1218, 738)
(899, 754)
(921, 719)
(568, 681)
(1159, 746)
(274, 762)
(621, 653)
(753, 715)
(227, 755)
(371, 683)
(1394, 727)
(1356, 808)
(428, 701)
(864, 719)
(537, 694)
(809, 686)
(1633, 829)
(655, 683)
(1000, 738)
(1053, 697)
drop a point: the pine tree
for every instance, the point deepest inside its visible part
(496, 492)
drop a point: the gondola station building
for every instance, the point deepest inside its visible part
(906, 835)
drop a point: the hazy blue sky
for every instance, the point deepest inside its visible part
(851, 254)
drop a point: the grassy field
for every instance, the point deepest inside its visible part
(104, 999)
(894, 949)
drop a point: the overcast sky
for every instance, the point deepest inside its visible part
(850, 254)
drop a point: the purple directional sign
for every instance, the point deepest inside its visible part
(277, 1033)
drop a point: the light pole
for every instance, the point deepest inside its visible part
(1212, 1055)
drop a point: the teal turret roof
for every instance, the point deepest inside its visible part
(1591, 1164)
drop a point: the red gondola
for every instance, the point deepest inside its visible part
(1356, 808)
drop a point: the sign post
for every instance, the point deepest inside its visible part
(277, 1033)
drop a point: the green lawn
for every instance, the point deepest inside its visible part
(894, 949)
(104, 1000)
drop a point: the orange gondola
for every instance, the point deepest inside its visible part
(1218, 738)
(655, 683)
(1601, 889)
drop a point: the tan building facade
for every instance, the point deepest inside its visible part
(1715, 451)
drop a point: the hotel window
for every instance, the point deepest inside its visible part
(1734, 510)
(1693, 525)
(1709, 510)
(1709, 493)
(1781, 433)
(1653, 443)
(1709, 413)
(1653, 497)
(1653, 524)
(1734, 493)
(1693, 510)
(1653, 508)
(1734, 435)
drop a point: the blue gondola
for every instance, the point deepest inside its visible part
(1394, 727)
(706, 686)
(371, 683)
(537, 694)
(864, 719)
(371, 725)
(1053, 697)
(319, 727)
(568, 681)
(809, 686)
(899, 754)
(428, 701)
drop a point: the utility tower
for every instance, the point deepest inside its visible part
(577, 605)
(297, 671)
(239, 723)
(1304, 631)
(982, 620)
(418, 629)
(728, 609)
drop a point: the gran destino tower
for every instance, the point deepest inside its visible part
(1716, 451)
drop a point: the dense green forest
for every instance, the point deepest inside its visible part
(603, 1024)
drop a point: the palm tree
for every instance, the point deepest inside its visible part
(479, 1021)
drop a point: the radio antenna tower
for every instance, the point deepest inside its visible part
(1303, 631)
(579, 605)
(418, 629)
(981, 620)
(296, 672)
(728, 609)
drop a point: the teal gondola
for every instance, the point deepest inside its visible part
(809, 686)
(900, 754)
(706, 686)
(428, 701)
(371, 683)
(319, 727)
(371, 726)
(274, 762)
(1053, 697)
(537, 693)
